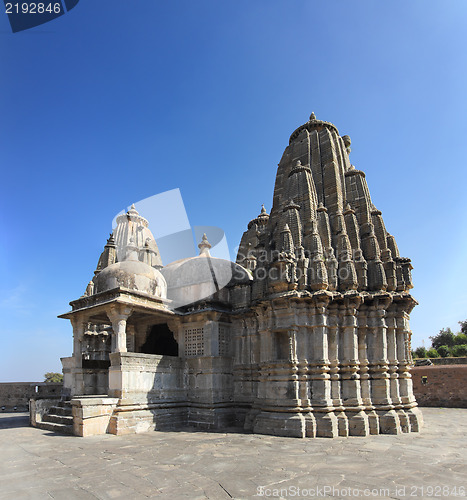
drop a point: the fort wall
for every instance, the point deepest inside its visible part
(444, 385)
(17, 394)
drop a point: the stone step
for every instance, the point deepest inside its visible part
(54, 427)
(64, 404)
(58, 419)
(61, 410)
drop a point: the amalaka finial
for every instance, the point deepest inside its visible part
(348, 209)
(133, 210)
(321, 207)
(204, 246)
(263, 217)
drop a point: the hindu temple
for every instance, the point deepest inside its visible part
(306, 334)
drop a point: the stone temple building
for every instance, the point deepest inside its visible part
(306, 335)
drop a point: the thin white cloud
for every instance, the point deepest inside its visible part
(16, 300)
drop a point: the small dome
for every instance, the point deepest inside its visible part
(197, 278)
(134, 275)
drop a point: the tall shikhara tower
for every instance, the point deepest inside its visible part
(323, 343)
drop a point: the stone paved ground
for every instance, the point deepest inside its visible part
(39, 464)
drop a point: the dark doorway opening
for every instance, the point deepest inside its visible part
(160, 341)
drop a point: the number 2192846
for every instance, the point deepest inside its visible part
(33, 8)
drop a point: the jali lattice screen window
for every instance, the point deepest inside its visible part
(194, 342)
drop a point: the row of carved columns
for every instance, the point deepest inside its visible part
(118, 315)
(343, 362)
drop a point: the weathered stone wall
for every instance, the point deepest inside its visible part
(18, 394)
(445, 385)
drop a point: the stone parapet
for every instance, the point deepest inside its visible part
(91, 415)
(15, 396)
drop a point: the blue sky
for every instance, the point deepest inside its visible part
(119, 100)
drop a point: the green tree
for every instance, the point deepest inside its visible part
(420, 352)
(444, 351)
(444, 338)
(432, 353)
(53, 377)
(460, 339)
(459, 351)
(463, 326)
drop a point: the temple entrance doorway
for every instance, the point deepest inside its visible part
(160, 340)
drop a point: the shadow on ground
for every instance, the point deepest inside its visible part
(12, 420)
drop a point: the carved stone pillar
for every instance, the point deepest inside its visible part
(336, 354)
(79, 327)
(303, 375)
(267, 356)
(379, 369)
(405, 379)
(326, 420)
(333, 353)
(294, 384)
(393, 360)
(302, 365)
(365, 335)
(77, 385)
(118, 315)
(393, 371)
(403, 334)
(250, 385)
(351, 391)
(130, 338)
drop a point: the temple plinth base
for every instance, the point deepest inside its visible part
(280, 424)
(358, 423)
(326, 424)
(403, 421)
(373, 422)
(342, 424)
(415, 418)
(389, 422)
(310, 425)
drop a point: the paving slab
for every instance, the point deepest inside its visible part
(37, 464)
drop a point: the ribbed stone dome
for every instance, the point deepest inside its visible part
(197, 278)
(133, 230)
(134, 275)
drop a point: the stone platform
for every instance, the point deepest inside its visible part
(38, 464)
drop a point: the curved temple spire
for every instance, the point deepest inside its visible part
(320, 195)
